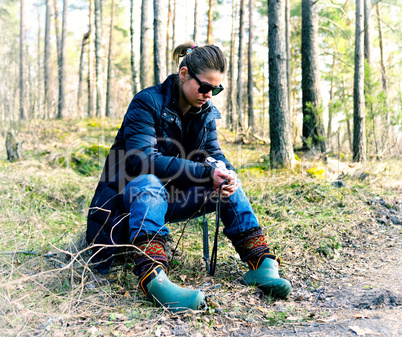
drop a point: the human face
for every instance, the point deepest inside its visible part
(205, 86)
(190, 96)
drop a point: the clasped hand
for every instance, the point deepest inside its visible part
(225, 175)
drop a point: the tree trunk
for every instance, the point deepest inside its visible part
(240, 89)
(174, 33)
(157, 43)
(90, 62)
(359, 134)
(345, 98)
(230, 97)
(331, 102)
(313, 130)
(57, 29)
(383, 70)
(132, 55)
(384, 79)
(195, 35)
(98, 57)
(367, 33)
(79, 92)
(46, 62)
(58, 42)
(349, 131)
(62, 65)
(109, 63)
(144, 47)
(288, 56)
(22, 62)
(281, 153)
(250, 79)
(210, 17)
(169, 20)
(369, 66)
(39, 75)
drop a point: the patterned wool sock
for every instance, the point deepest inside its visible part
(252, 247)
(151, 255)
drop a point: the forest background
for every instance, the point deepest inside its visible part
(75, 59)
(311, 85)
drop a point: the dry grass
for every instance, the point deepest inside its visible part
(47, 287)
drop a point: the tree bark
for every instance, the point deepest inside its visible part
(46, 62)
(281, 153)
(109, 63)
(230, 107)
(250, 79)
(144, 47)
(57, 29)
(90, 62)
(79, 91)
(288, 56)
(195, 35)
(210, 17)
(239, 86)
(62, 65)
(157, 43)
(313, 129)
(132, 55)
(174, 33)
(22, 61)
(384, 80)
(359, 132)
(169, 20)
(369, 66)
(98, 57)
(58, 43)
(39, 75)
(331, 102)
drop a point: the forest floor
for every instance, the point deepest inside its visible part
(340, 244)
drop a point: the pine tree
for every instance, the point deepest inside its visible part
(281, 153)
(359, 133)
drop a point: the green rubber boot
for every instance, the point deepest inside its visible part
(163, 292)
(266, 277)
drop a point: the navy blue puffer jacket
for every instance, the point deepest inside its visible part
(151, 140)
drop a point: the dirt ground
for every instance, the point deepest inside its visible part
(353, 291)
(361, 297)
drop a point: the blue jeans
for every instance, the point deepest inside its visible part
(152, 206)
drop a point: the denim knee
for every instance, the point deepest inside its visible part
(145, 186)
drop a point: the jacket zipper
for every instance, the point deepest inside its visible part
(202, 138)
(203, 131)
(173, 113)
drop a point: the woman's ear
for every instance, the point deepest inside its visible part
(183, 74)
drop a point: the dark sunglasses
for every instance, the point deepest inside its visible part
(204, 86)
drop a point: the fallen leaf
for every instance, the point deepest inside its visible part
(359, 331)
(360, 316)
(122, 328)
(120, 317)
(323, 320)
(315, 277)
(93, 330)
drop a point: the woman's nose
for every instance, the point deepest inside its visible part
(208, 94)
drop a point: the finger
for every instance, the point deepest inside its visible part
(230, 189)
